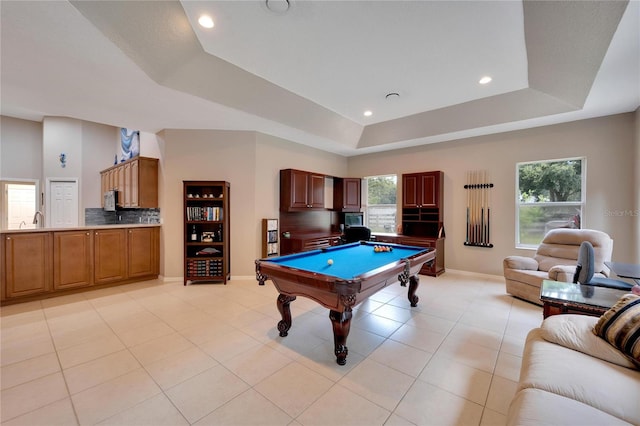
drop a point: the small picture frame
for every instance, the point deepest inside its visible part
(207, 237)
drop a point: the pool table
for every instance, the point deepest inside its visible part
(339, 278)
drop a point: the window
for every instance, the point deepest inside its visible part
(550, 195)
(380, 203)
(18, 204)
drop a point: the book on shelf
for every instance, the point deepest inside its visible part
(204, 213)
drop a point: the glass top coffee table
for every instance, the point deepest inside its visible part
(569, 298)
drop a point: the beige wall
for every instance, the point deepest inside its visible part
(607, 143)
(251, 163)
(20, 149)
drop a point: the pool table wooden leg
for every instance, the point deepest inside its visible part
(341, 322)
(414, 281)
(285, 310)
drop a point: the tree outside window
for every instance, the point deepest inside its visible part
(550, 195)
(380, 205)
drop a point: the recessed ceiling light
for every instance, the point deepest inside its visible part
(392, 95)
(206, 21)
(368, 113)
(484, 80)
(278, 6)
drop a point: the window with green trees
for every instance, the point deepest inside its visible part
(550, 195)
(380, 205)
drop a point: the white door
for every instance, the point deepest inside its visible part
(63, 201)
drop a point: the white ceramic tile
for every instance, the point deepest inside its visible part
(401, 357)
(294, 388)
(59, 413)
(27, 370)
(90, 350)
(257, 363)
(161, 347)
(248, 408)
(204, 393)
(340, 406)
(110, 398)
(98, 371)
(155, 411)
(424, 403)
(501, 393)
(508, 366)
(32, 395)
(377, 383)
(420, 338)
(493, 418)
(459, 379)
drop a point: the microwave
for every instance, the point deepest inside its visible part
(110, 200)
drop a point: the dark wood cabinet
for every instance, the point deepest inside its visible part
(27, 264)
(110, 255)
(301, 191)
(422, 189)
(434, 268)
(422, 205)
(72, 259)
(308, 242)
(347, 194)
(207, 255)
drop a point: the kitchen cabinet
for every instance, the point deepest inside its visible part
(301, 191)
(72, 259)
(136, 181)
(39, 264)
(347, 194)
(143, 252)
(110, 255)
(26, 264)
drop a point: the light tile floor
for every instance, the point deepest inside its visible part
(158, 353)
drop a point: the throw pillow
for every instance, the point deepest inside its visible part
(620, 326)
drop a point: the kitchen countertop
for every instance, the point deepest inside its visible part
(80, 228)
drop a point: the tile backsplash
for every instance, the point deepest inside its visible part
(97, 216)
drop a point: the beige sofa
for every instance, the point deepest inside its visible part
(569, 376)
(555, 260)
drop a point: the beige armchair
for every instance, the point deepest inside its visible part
(555, 259)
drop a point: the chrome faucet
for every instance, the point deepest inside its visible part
(35, 218)
(22, 223)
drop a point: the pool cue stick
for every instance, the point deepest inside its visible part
(468, 189)
(482, 209)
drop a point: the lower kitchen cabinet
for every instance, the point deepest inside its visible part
(143, 249)
(27, 264)
(72, 259)
(38, 265)
(110, 258)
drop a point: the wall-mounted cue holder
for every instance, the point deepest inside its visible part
(478, 233)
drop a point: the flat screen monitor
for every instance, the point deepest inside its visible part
(353, 219)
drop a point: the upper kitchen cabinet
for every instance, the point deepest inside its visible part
(346, 194)
(301, 191)
(136, 181)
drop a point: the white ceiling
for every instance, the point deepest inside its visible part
(308, 74)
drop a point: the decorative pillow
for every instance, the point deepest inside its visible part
(620, 326)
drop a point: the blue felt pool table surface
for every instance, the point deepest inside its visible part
(349, 260)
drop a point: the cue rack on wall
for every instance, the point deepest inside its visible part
(478, 209)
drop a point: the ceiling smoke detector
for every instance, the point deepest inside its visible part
(278, 6)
